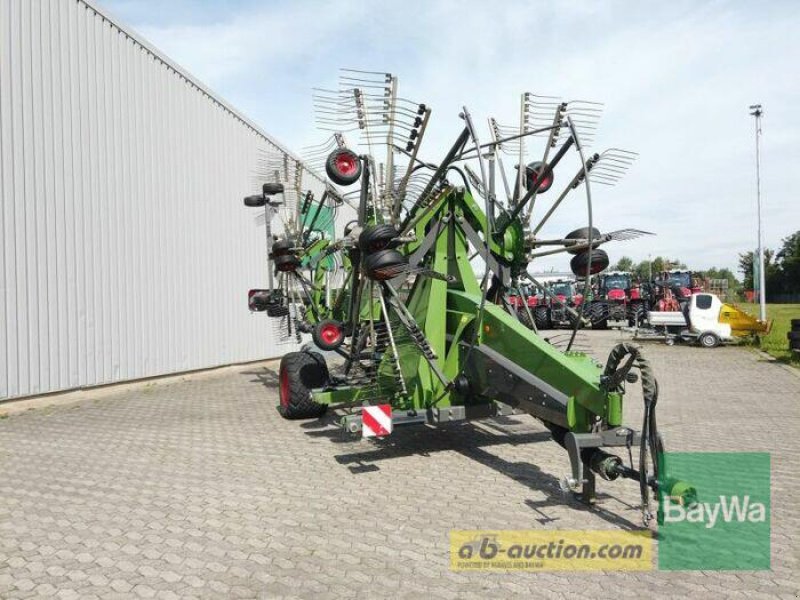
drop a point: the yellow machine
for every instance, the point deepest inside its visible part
(742, 323)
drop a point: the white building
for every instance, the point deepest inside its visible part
(125, 250)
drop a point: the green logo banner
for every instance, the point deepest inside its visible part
(728, 527)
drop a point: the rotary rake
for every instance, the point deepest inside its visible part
(419, 337)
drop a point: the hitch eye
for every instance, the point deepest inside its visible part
(343, 166)
(532, 174)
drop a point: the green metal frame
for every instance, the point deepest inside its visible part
(447, 311)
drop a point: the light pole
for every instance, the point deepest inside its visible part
(756, 111)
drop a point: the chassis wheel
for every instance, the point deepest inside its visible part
(709, 340)
(299, 373)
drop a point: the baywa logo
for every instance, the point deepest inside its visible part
(727, 525)
(727, 510)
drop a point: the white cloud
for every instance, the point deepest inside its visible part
(676, 80)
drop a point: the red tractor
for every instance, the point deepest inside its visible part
(672, 290)
(525, 295)
(552, 309)
(618, 299)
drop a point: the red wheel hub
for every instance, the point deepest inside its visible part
(546, 182)
(284, 391)
(330, 333)
(346, 164)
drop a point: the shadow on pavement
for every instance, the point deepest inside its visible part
(466, 438)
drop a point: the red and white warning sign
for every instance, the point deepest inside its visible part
(376, 421)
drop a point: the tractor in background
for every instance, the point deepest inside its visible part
(618, 301)
(559, 306)
(671, 291)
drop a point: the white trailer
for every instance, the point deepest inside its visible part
(699, 322)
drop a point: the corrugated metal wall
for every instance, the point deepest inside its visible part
(125, 251)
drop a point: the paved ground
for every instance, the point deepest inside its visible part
(198, 488)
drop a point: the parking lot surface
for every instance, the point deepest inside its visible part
(197, 488)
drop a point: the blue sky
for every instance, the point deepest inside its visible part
(676, 79)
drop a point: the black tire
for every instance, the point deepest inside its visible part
(299, 373)
(337, 160)
(272, 188)
(378, 237)
(795, 324)
(523, 317)
(287, 262)
(598, 314)
(281, 247)
(635, 314)
(571, 319)
(277, 310)
(582, 234)
(709, 339)
(794, 337)
(596, 260)
(541, 316)
(532, 173)
(385, 264)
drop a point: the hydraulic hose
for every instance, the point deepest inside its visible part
(613, 377)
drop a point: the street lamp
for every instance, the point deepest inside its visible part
(756, 111)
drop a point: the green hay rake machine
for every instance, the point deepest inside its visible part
(420, 339)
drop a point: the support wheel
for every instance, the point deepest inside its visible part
(299, 373)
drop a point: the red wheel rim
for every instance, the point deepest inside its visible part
(330, 333)
(346, 164)
(284, 392)
(544, 184)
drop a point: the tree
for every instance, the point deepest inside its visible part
(746, 261)
(644, 269)
(788, 258)
(623, 264)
